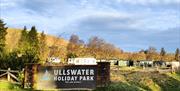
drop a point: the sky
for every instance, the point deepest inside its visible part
(131, 25)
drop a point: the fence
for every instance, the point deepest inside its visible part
(10, 74)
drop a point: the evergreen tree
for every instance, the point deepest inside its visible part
(162, 53)
(177, 55)
(23, 41)
(42, 41)
(29, 45)
(32, 53)
(3, 33)
(42, 46)
(33, 37)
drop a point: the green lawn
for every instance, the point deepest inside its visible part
(7, 86)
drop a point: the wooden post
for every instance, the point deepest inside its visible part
(8, 75)
(23, 77)
(143, 67)
(157, 69)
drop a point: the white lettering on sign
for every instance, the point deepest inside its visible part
(69, 75)
(74, 72)
(74, 78)
(65, 78)
(86, 78)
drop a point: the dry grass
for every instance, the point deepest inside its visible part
(137, 80)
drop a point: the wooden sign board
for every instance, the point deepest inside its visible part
(66, 77)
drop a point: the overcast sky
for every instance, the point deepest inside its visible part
(129, 24)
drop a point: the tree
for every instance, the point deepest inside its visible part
(58, 49)
(75, 46)
(138, 56)
(151, 54)
(152, 50)
(33, 37)
(100, 49)
(124, 56)
(32, 53)
(3, 33)
(108, 51)
(177, 55)
(23, 41)
(95, 46)
(169, 57)
(29, 45)
(43, 46)
(162, 53)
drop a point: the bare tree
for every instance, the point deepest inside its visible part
(76, 47)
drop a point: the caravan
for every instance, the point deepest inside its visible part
(82, 61)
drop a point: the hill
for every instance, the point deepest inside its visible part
(13, 35)
(138, 79)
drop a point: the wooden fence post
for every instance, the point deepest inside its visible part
(8, 75)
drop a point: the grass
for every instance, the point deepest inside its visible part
(127, 80)
(174, 75)
(7, 86)
(132, 79)
(120, 86)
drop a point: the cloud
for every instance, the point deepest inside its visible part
(4, 4)
(112, 21)
(149, 2)
(119, 30)
(131, 24)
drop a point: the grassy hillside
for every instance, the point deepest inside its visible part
(136, 79)
(14, 34)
